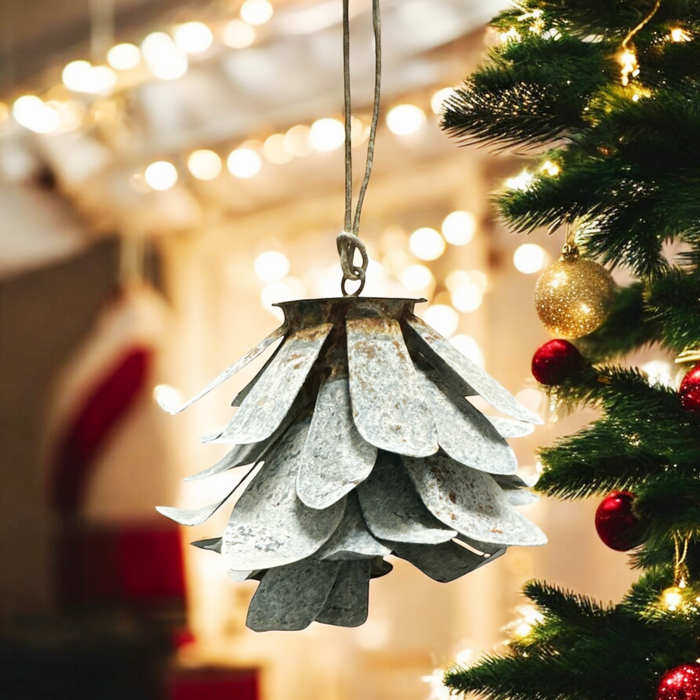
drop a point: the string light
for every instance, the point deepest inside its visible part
(297, 141)
(161, 175)
(511, 35)
(551, 169)
(327, 134)
(672, 598)
(274, 150)
(204, 164)
(193, 37)
(165, 59)
(427, 244)
(459, 227)
(124, 56)
(630, 67)
(244, 163)
(82, 76)
(32, 113)
(404, 120)
(528, 616)
(679, 35)
(256, 12)
(520, 182)
(239, 34)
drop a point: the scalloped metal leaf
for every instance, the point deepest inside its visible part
(509, 428)
(348, 602)
(239, 456)
(392, 509)
(270, 526)
(268, 402)
(387, 407)
(291, 597)
(464, 433)
(240, 396)
(470, 501)
(516, 490)
(442, 562)
(449, 361)
(227, 373)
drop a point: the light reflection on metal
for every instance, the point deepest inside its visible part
(368, 448)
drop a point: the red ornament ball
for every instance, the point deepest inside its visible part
(556, 361)
(616, 524)
(690, 390)
(680, 683)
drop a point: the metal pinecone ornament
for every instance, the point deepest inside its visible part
(366, 446)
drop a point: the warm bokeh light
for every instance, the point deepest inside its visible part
(532, 399)
(404, 120)
(124, 56)
(679, 35)
(256, 12)
(204, 164)
(327, 134)
(659, 372)
(32, 113)
(467, 298)
(244, 163)
(530, 258)
(287, 289)
(459, 227)
(416, 278)
(462, 278)
(672, 598)
(239, 34)
(271, 266)
(443, 318)
(427, 244)
(193, 37)
(359, 132)
(167, 396)
(4, 112)
(274, 150)
(297, 141)
(521, 181)
(438, 99)
(469, 348)
(82, 76)
(165, 59)
(160, 175)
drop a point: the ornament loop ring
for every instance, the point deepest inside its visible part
(348, 243)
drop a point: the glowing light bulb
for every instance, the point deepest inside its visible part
(244, 163)
(167, 397)
(672, 598)
(404, 120)
(32, 113)
(437, 101)
(459, 227)
(659, 372)
(271, 266)
(359, 133)
(416, 278)
(256, 12)
(76, 75)
(239, 34)
(630, 67)
(551, 169)
(530, 258)
(274, 150)
(679, 35)
(124, 56)
(204, 164)
(521, 181)
(193, 37)
(327, 134)
(160, 175)
(165, 59)
(469, 348)
(297, 141)
(443, 318)
(467, 298)
(427, 244)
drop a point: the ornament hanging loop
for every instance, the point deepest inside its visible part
(348, 243)
(570, 250)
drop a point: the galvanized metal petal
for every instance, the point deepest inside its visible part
(335, 457)
(270, 399)
(470, 501)
(226, 374)
(239, 456)
(352, 539)
(240, 396)
(392, 509)
(195, 516)
(465, 433)
(212, 544)
(442, 562)
(509, 428)
(291, 597)
(240, 576)
(269, 525)
(387, 406)
(348, 601)
(516, 490)
(449, 361)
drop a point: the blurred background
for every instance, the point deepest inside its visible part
(168, 171)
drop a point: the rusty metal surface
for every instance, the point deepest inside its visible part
(392, 509)
(240, 396)
(291, 597)
(442, 562)
(227, 373)
(387, 406)
(270, 399)
(509, 428)
(464, 433)
(470, 501)
(348, 602)
(269, 525)
(352, 539)
(449, 361)
(335, 457)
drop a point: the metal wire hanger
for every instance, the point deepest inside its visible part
(348, 241)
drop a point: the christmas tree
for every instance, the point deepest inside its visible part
(604, 97)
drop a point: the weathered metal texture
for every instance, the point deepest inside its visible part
(348, 602)
(464, 433)
(239, 456)
(470, 501)
(380, 567)
(516, 490)
(291, 597)
(270, 399)
(241, 395)
(258, 350)
(392, 509)
(387, 406)
(442, 562)
(212, 544)
(195, 516)
(509, 428)
(352, 539)
(449, 361)
(335, 457)
(270, 526)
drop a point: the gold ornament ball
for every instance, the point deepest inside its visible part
(573, 296)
